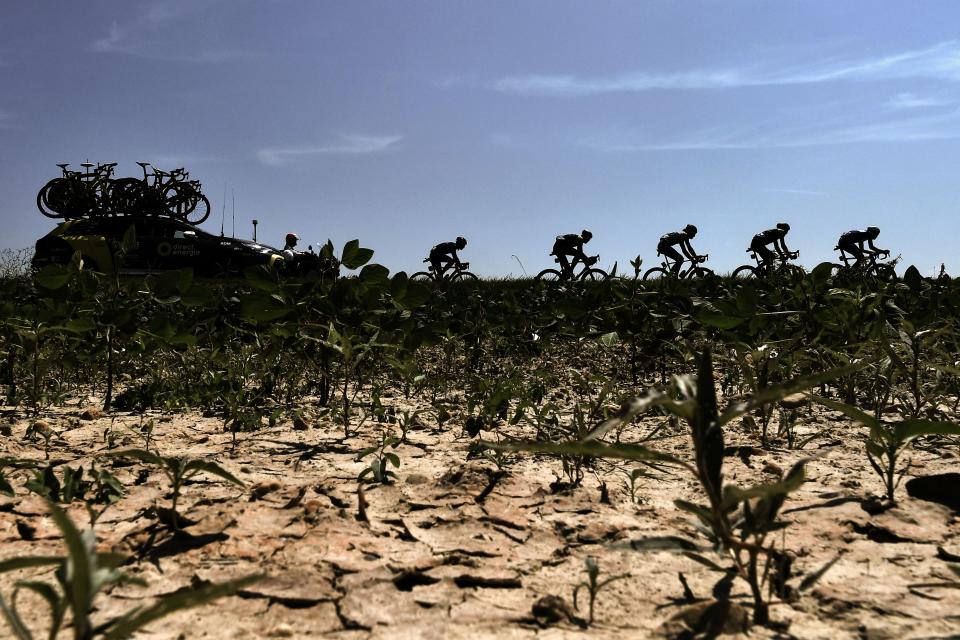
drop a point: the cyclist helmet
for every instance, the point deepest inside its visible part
(873, 231)
(690, 230)
(461, 242)
(783, 226)
(586, 235)
(292, 238)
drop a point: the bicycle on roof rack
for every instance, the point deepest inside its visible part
(587, 272)
(78, 194)
(778, 267)
(162, 193)
(448, 273)
(866, 267)
(693, 270)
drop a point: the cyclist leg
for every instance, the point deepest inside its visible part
(435, 262)
(564, 263)
(766, 255)
(674, 255)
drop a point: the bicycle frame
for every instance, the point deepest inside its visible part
(683, 273)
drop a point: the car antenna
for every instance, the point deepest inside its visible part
(223, 209)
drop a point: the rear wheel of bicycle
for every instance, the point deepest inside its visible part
(422, 276)
(549, 275)
(463, 276)
(746, 271)
(49, 200)
(657, 273)
(201, 210)
(594, 275)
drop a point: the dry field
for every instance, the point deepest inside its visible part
(452, 548)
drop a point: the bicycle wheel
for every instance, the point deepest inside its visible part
(49, 199)
(657, 273)
(700, 272)
(200, 212)
(177, 201)
(549, 275)
(593, 275)
(463, 276)
(127, 196)
(746, 271)
(422, 276)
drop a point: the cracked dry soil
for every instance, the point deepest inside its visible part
(454, 549)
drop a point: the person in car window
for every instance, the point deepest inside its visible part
(290, 245)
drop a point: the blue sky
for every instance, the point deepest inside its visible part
(408, 123)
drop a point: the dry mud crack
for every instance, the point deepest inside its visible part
(455, 548)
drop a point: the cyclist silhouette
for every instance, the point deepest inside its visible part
(290, 245)
(852, 242)
(444, 255)
(571, 245)
(773, 237)
(668, 242)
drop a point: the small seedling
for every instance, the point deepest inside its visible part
(378, 471)
(178, 470)
(593, 585)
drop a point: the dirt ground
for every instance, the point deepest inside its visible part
(444, 555)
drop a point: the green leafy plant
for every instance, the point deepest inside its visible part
(178, 469)
(593, 585)
(378, 469)
(736, 522)
(886, 442)
(80, 576)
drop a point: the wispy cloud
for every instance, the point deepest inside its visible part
(142, 36)
(7, 120)
(797, 192)
(168, 161)
(941, 61)
(913, 101)
(347, 145)
(942, 126)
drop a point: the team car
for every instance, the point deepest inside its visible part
(161, 244)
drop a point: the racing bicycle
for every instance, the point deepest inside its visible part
(779, 267)
(448, 273)
(77, 194)
(693, 270)
(867, 267)
(568, 275)
(159, 193)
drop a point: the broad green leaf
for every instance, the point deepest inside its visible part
(261, 277)
(53, 276)
(610, 339)
(910, 429)
(138, 454)
(850, 411)
(80, 586)
(28, 562)
(213, 469)
(354, 256)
